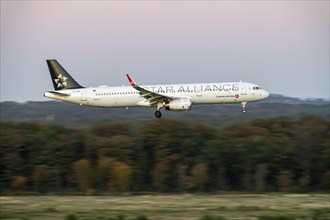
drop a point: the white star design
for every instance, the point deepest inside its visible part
(61, 81)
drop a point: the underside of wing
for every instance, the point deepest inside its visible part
(152, 97)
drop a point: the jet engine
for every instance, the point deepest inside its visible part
(178, 105)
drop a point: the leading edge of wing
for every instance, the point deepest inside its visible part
(152, 97)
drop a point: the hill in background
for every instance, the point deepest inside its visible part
(218, 115)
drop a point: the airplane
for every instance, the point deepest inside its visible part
(172, 97)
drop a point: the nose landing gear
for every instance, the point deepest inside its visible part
(244, 107)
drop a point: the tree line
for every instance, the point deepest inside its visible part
(263, 155)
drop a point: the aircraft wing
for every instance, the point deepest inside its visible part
(152, 97)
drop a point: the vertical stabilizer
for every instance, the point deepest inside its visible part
(60, 77)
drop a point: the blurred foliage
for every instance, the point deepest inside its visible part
(209, 217)
(265, 154)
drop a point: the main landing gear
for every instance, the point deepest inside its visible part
(244, 107)
(158, 114)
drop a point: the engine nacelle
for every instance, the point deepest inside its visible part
(178, 105)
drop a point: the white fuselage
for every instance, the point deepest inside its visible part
(127, 96)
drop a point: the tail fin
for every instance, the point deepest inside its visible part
(61, 78)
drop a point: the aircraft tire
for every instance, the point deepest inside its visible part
(158, 114)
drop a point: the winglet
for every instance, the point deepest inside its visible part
(131, 81)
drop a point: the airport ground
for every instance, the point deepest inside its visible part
(165, 207)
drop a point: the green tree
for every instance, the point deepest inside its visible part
(184, 180)
(199, 175)
(325, 184)
(83, 173)
(310, 157)
(285, 181)
(160, 176)
(104, 172)
(19, 183)
(40, 178)
(260, 177)
(12, 148)
(120, 147)
(108, 130)
(293, 153)
(59, 149)
(303, 183)
(122, 174)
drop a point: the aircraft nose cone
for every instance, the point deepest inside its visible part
(263, 94)
(266, 94)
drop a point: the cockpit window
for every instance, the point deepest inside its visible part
(256, 88)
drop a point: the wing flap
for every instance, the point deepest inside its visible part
(152, 97)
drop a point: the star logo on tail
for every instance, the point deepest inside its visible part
(61, 81)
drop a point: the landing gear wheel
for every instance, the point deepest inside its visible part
(158, 114)
(244, 107)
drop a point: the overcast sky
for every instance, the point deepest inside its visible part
(283, 46)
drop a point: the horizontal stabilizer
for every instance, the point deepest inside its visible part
(58, 94)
